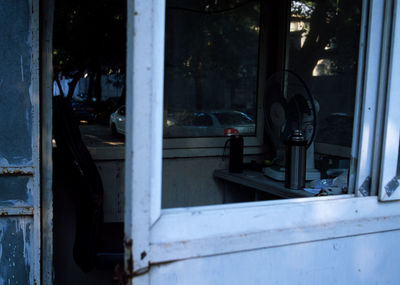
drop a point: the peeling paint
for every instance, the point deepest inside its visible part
(3, 161)
(16, 170)
(1, 251)
(16, 191)
(22, 68)
(19, 156)
(16, 250)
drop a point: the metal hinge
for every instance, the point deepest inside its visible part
(365, 186)
(391, 187)
(122, 274)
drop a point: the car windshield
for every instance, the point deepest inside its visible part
(233, 118)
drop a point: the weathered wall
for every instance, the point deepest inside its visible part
(366, 259)
(18, 108)
(16, 250)
(15, 83)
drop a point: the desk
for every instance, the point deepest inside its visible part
(257, 180)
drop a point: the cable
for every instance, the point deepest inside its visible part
(222, 11)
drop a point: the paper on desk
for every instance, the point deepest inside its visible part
(313, 190)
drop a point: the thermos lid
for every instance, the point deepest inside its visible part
(297, 135)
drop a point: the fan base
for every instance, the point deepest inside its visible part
(278, 173)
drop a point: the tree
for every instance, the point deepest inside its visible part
(334, 23)
(89, 37)
(213, 37)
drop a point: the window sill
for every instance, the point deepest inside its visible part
(203, 231)
(118, 152)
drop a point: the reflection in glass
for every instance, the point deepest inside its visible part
(211, 64)
(323, 49)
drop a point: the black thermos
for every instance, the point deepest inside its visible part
(295, 167)
(236, 154)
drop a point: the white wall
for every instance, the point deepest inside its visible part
(366, 259)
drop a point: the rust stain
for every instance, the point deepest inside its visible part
(15, 171)
(121, 274)
(26, 210)
(129, 262)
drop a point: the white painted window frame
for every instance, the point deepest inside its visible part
(168, 235)
(389, 188)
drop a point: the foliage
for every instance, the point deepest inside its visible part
(89, 37)
(213, 37)
(334, 27)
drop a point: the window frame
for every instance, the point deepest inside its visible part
(390, 163)
(206, 146)
(176, 234)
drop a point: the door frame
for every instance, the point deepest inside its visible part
(156, 236)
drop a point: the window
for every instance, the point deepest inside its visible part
(263, 69)
(185, 233)
(89, 58)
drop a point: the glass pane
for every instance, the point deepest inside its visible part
(323, 50)
(89, 54)
(211, 67)
(308, 83)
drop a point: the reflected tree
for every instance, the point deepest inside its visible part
(89, 38)
(217, 35)
(333, 29)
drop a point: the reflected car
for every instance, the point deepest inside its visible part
(117, 121)
(208, 124)
(83, 111)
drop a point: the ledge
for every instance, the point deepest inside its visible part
(118, 152)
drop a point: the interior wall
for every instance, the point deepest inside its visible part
(190, 182)
(187, 182)
(112, 173)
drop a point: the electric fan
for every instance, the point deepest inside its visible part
(288, 106)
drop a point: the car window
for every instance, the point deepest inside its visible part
(233, 118)
(202, 119)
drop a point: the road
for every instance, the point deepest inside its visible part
(96, 135)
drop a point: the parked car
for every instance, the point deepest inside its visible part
(83, 111)
(208, 124)
(117, 121)
(105, 108)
